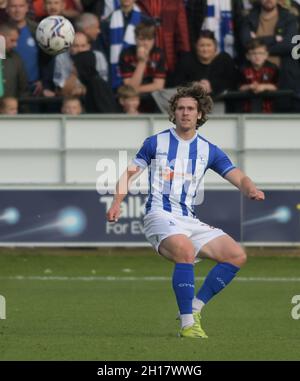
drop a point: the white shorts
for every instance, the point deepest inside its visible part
(159, 225)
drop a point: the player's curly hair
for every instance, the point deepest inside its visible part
(193, 90)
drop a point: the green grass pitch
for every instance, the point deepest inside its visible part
(119, 305)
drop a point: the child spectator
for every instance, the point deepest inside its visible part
(8, 106)
(129, 99)
(143, 66)
(259, 74)
(71, 106)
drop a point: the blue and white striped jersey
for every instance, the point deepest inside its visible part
(177, 168)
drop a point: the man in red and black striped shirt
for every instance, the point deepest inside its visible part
(259, 74)
(143, 66)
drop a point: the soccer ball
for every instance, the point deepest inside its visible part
(55, 35)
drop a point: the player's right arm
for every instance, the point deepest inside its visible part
(132, 172)
(139, 163)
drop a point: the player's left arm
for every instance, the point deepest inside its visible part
(244, 184)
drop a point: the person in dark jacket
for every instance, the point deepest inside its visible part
(276, 26)
(215, 71)
(99, 97)
(14, 74)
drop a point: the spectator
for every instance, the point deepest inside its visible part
(65, 76)
(71, 106)
(54, 7)
(8, 106)
(71, 8)
(172, 31)
(143, 66)
(56, 72)
(14, 75)
(223, 17)
(26, 46)
(99, 97)
(276, 26)
(129, 99)
(259, 75)
(89, 24)
(215, 71)
(62, 78)
(118, 34)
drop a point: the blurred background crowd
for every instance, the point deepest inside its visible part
(129, 55)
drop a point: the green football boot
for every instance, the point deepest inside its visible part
(194, 331)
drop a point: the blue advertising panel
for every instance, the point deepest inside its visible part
(277, 219)
(79, 216)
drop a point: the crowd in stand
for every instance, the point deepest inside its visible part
(128, 53)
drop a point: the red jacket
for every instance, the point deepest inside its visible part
(172, 34)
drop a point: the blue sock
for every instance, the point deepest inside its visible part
(183, 286)
(217, 279)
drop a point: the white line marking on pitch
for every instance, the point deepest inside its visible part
(131, 278)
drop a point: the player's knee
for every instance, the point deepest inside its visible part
(185, 258)
(184, 253)
(239, 258)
